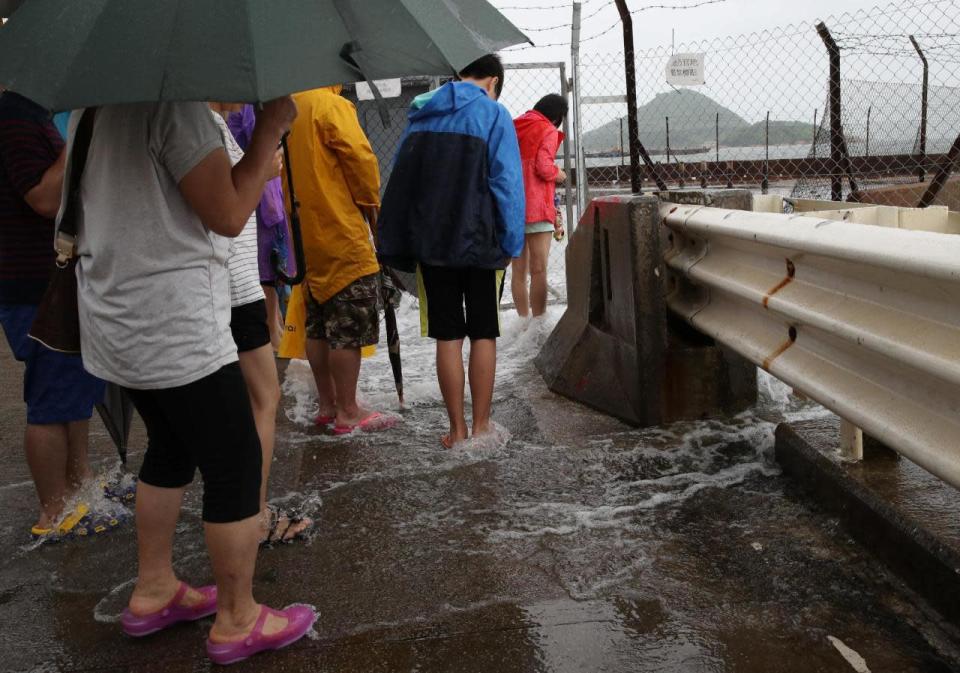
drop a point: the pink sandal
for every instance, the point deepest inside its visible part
(375, 422)
(138, 626)
(300, 619)
(323, 421)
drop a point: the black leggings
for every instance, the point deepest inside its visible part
(207, 424)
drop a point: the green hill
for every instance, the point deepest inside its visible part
(692, 124)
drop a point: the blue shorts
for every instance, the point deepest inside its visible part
(56, 387)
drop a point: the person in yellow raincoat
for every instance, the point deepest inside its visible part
(337, 182)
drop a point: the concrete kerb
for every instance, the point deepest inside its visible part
(926, 559)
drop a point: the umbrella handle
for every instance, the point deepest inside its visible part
(295, 234)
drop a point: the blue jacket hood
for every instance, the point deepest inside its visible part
(446, 100)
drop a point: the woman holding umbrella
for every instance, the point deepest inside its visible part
(158, 197)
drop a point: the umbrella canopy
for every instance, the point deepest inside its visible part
(69, 55)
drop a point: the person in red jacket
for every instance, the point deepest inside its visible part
(537, 131)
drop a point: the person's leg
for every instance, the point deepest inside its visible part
(318, 355)
(482, 301)
(229, 456)
(518, 281)
(483, 373)
(538, 249)
(345, 368)
(451, 378)
(78, 463)
(352, 320)
(58, 394)
(46, 448)
(441, 292)
(157, 512)
(274, 317)
(260, 374)
(164, 475)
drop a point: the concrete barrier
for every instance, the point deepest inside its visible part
(616, 349)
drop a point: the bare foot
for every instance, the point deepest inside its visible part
(327, 412)
(225, 632)
(344, 419)
(279, 526)
(147, 600)
(453, 438)
(480, 429)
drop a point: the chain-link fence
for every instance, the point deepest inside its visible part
(524, 84)
(863, 106)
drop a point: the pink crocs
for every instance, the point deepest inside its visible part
(300, 619)
(173, 613)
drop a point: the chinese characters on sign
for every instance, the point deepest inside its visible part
(685, 70)
(389, 88)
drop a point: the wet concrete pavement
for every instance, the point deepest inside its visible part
(579, 545)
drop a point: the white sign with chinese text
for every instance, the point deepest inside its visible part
(685, 70)
(389, 88)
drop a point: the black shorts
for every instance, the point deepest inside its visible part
(207, 424)
(456, 303)
(249, 326)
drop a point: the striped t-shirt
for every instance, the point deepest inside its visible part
(244, 263)
(29, 145)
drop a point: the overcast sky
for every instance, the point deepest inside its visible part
(653, 27)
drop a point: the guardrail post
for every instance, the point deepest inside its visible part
(851, 441)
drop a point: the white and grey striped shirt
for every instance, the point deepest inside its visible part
(244, 264)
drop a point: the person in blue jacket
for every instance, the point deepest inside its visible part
(454, 211)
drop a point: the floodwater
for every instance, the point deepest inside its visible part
(567, 542)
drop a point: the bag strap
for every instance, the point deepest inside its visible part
(66, 240)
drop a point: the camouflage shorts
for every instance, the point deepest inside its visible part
(349, 319)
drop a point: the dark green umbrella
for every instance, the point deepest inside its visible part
(73, 54)
(69, 54)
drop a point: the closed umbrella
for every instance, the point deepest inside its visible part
(116, 412)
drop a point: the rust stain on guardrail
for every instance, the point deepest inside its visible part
(791, 272)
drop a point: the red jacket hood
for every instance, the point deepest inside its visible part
(533, 123)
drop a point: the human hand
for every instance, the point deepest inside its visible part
(561, 176)
(277, 164)
(277, 115)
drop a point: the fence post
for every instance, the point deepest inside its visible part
(621, 141)
(836, 154)
(668, 141)
(866, 150)
(565, 92)
(921, 173)
(577, 118)
(630, 66)
(765, 185)
(815, 132)
(717, 129)
(943, 173)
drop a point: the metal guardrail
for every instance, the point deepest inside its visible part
(863, 319)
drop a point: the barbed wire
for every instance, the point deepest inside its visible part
(617, 24)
